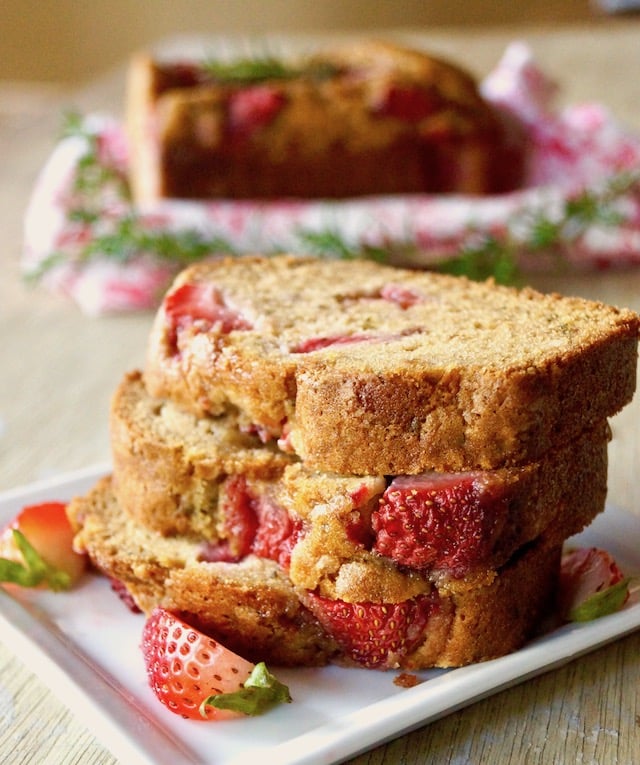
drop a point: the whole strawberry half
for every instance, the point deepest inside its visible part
(591, 584)
(438, 521)
(36, 548)
(374, 635)
(196, 677)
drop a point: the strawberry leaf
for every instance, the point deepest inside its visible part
(260, 692)
(602, 603)
(34, 571)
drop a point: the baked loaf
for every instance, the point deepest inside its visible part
(337, 535)
(254, 609)
(360, 368)
(367, 118)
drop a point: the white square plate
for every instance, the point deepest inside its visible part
(85, 646)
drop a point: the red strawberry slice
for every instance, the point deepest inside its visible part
(586, 576)
(407, 103)
(253, 524)
(254, 107)
(48, 559)
(375, 635)
(444, 521)
(187, 669)
(240, 522)
(125, 596)
(202, 306)
(319, 343)
(402, 296)
(277, 533)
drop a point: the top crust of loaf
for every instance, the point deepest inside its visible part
(367, 369)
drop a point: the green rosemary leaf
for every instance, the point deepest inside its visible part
(330, 243)
(130, 239)
(257, 69)
(484, 258)
(544, 233)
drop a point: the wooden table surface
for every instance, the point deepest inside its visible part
(59, 369)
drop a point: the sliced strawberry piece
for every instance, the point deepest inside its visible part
(48, 558)
(253, 524)
(195, 676)
(318, 343)
(402, 296)
(586, 575)
(444, 521)
(277, 533)
(358, 530)
(240, 522)
(202, 306)
(125, 596)
(253, 107)
(407, 103)
(375, 635)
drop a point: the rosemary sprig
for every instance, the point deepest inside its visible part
(329, 243)
(255, 69)
(130, 238)
(92, 174)
(533, 232)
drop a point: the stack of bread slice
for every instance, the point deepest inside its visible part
(340, 461)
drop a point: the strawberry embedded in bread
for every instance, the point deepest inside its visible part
(450, 522)
(448, 375)
(365, 118)
(253, 525)
(375, 635)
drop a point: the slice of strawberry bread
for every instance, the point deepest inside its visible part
(360, 368)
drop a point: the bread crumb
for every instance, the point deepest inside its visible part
(406, 680)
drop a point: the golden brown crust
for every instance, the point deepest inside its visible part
(501, 616)
(382, 119)
(470, 375)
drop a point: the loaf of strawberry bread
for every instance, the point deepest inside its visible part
(254, 609)
(360, 368)
(365, 118)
